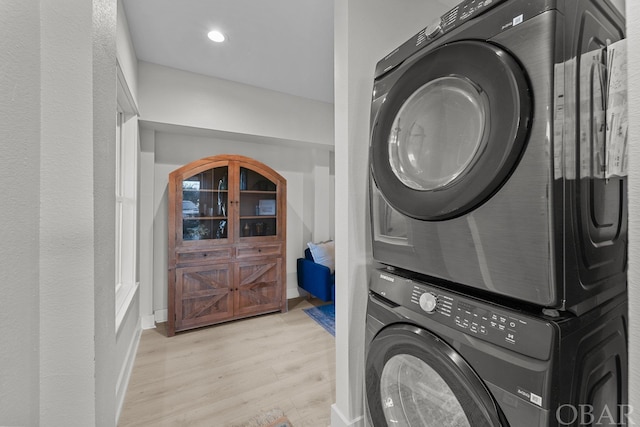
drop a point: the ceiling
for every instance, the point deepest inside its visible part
(282, 45)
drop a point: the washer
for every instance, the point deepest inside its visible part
(490, 164)
(438, 358)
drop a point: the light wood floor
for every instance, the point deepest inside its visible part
(226, 374)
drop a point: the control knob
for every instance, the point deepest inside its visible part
(433, 29)
(428, 302)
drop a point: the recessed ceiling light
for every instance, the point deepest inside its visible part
(216, 36)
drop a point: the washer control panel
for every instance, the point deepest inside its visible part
(490, 322)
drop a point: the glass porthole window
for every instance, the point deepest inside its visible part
(414, 394)
(447, 133)
(438, 133)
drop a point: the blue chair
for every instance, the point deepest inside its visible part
(316, 279)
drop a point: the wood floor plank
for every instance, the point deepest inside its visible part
(228, 373)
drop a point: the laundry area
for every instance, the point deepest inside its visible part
(498, 179)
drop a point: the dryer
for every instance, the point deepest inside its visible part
(439, 358)
(490, 154)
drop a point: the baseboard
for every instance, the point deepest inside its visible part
(293, 292)
(148, 322)
(161, 315)
(127, 368)
(339, 420)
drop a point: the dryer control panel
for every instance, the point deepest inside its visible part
(455, 17)
(490, 322)
(465, 11)
(463, 14)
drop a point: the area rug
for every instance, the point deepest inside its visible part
(325, 316)
(272, 418)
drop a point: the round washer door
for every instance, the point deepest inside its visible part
(450, 130)
(414, 379)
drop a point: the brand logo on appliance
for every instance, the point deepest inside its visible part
(531, 397)
(523, 393)
(387, 278)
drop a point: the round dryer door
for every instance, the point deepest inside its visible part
(451, 130)
(415, 379)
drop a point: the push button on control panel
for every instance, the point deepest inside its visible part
(477, 320)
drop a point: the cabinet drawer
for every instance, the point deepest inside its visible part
(203, 256)
(256, 251)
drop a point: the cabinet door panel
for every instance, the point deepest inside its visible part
(204, 295)
(205, 200)
(260, 203)
(259, 286)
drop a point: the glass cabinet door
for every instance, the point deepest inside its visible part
(258, 205)
(205, 198)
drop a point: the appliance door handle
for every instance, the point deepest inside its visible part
(599, 88)
(381, 300)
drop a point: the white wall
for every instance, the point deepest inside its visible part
(101, 170)
(57, 313)
(365, 32)
(323, 197)
(146, 215)
(633, 28)
(171, 96)
(20, 191)
(126, 54)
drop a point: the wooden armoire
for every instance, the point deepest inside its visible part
(227, 241)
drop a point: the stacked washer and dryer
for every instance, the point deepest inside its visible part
(498, 195)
